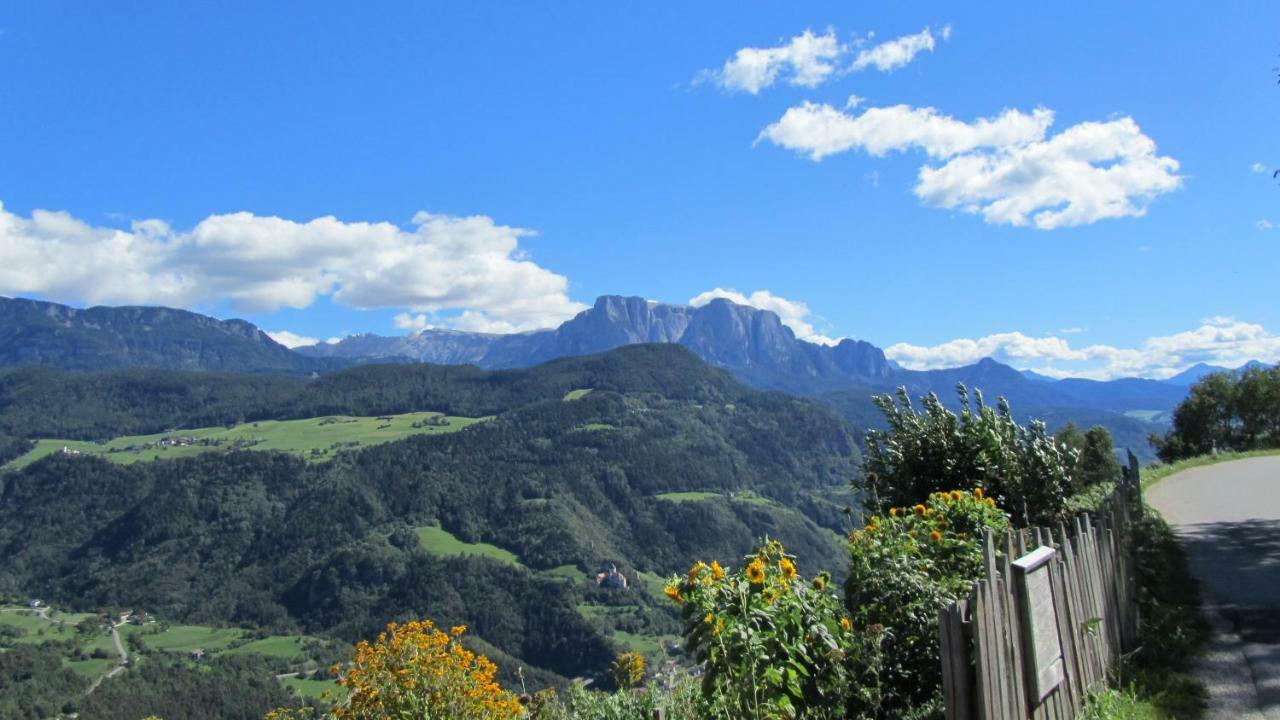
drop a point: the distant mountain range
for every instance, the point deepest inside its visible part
(107, 338)
(752, 344)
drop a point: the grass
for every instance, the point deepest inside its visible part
(690, 496)
(1153, 474)
(93, 668)
(1119, 705)
(314, 439)
(311, 689)
(570, 572)
(745, 496)
(597, 426)
(577, 394)
(651, 646)
(185, 638)
(439, 541)
(288, 647)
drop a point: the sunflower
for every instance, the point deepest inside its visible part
(918, 510)
(935, 536)
(977, 492)
(755, 571)
(697, 568)
(787, 567)
(717, 570)
(673, 592)
(846, 624)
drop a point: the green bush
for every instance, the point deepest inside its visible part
(906, 566)
(773, 644)
(921, 453)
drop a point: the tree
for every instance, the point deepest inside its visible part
(1225, 411)
(1098, 462)
(936, 450)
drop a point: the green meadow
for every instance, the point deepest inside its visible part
(314, 439)
(439, 541)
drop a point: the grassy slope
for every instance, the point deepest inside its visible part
(314, 439)
(439, 541)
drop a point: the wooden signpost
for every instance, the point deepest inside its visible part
(1042, 648)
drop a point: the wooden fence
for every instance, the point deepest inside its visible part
(1076, 602)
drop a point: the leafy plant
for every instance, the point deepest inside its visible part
(905, 566)
(774, 644)
(921, 453)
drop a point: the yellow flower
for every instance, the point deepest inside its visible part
(918, 510)
(977, 492)
(787, 567)
(755, 571)
(717, 570)
(893, 512)
(990, 502)
(673, 592)
(846, 624)
(707, 619)
(819, 582)
(697, 568)
(935, 536)
(957, 495)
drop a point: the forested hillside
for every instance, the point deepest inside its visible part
(565, 482)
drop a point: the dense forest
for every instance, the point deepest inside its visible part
(266, 540)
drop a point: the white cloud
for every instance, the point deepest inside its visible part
(1265, 224)
(1006, 168)
(443, 264)
(1071, 330)
(806, 60)
(819, 130)
(793, 313)
(1259, 168)
(290, 340)
(1223, 341)
(898, 52)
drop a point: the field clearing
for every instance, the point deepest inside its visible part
(185, 638)
(92, 668)
(569, 572)
(745, 496)
(314, 439)
(277, 646)
(312, 689)
(439, 541)
(577, 394)
(651, 646)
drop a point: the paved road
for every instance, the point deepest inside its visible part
(1227, 517)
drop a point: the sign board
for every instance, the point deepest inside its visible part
(1041, 646)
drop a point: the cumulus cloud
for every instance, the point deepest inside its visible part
(1259, 167)
(1265, 224)
(806, 60)
(443, 263)
(1223, 341)
(1006, 168)
(793, 313)
(895, 53)
(291, 340)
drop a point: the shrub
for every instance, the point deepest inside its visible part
(773, 644)
(414, 670)
(906, 566)
(921, 453)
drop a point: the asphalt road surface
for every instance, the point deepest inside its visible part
(1227, 517)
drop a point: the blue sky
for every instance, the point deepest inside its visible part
(497, 165)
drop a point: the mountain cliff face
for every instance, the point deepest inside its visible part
(101, 338)
(752, 343)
